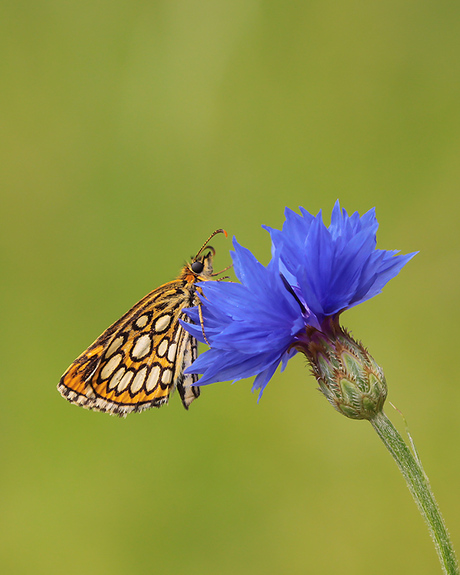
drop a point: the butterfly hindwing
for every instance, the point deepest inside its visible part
(136, 363)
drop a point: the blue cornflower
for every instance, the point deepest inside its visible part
(293, 304)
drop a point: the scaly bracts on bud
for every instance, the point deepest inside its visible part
(347, 375)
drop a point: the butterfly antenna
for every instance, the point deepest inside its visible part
(220, 231)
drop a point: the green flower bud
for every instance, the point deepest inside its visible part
(347, 375)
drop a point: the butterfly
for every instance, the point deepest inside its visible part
(140, 360)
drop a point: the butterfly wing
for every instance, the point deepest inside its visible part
(139, 360)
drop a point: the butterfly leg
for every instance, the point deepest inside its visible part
(200, 313)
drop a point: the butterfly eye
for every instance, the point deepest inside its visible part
(197, 267)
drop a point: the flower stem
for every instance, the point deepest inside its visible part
(419, 486)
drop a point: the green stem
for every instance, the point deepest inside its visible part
(419, 486)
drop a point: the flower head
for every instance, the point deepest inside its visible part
(315, 273)
(337, 267)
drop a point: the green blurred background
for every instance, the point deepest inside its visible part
(130, 130)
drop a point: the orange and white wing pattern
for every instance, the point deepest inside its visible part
(139, 361)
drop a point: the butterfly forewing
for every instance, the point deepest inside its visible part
(140, 359)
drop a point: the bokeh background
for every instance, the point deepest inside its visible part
(130, 130)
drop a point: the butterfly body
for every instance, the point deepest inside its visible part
(140, 360)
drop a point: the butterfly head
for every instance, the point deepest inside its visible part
(200, 267)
